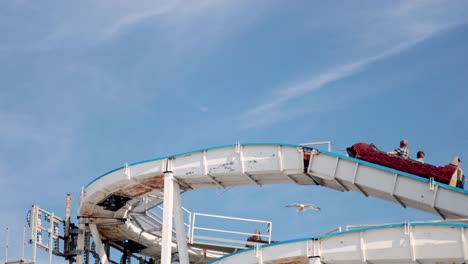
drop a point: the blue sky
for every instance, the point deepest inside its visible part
(89, 86)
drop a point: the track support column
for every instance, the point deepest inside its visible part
(80, 243)
(98, 242)
(315, 260)
(179, 225)
(168, 208)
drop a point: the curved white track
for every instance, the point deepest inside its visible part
(417, 243)
(251, 164)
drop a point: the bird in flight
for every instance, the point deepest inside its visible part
(302, 207)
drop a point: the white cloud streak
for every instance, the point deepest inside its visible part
(280, 104)
(111, 21)
(91, 23)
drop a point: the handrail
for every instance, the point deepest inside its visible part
(226, 231)
(156, 217)
(328, 143)
(348, 227)
(194, 237)
(339, 229)
(233, 218)
(191, 228)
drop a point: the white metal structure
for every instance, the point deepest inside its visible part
(401, 243)
(45, 236)
(142, 186)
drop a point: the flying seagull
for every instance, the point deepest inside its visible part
(302, 207)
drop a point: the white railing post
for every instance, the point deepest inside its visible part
(270, 230)
(193, 228)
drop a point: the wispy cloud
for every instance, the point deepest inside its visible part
(91, 23)
(108, 22)
(280, 104)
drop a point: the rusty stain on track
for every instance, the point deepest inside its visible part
(138, 189)
(155, 182)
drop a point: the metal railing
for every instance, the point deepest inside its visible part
(204, 230)
(230, 238)
(351, 227)
(212, 232)
(23, 244)
(36, 216)
(328, 143)
(158, 218)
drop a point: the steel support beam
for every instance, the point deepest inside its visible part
(259, 254)
(315, 260)
(99, 247)
(34, 231)
(179, 226)
(51, 237)
(80, 243)
(168, 208)
(464, 244)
